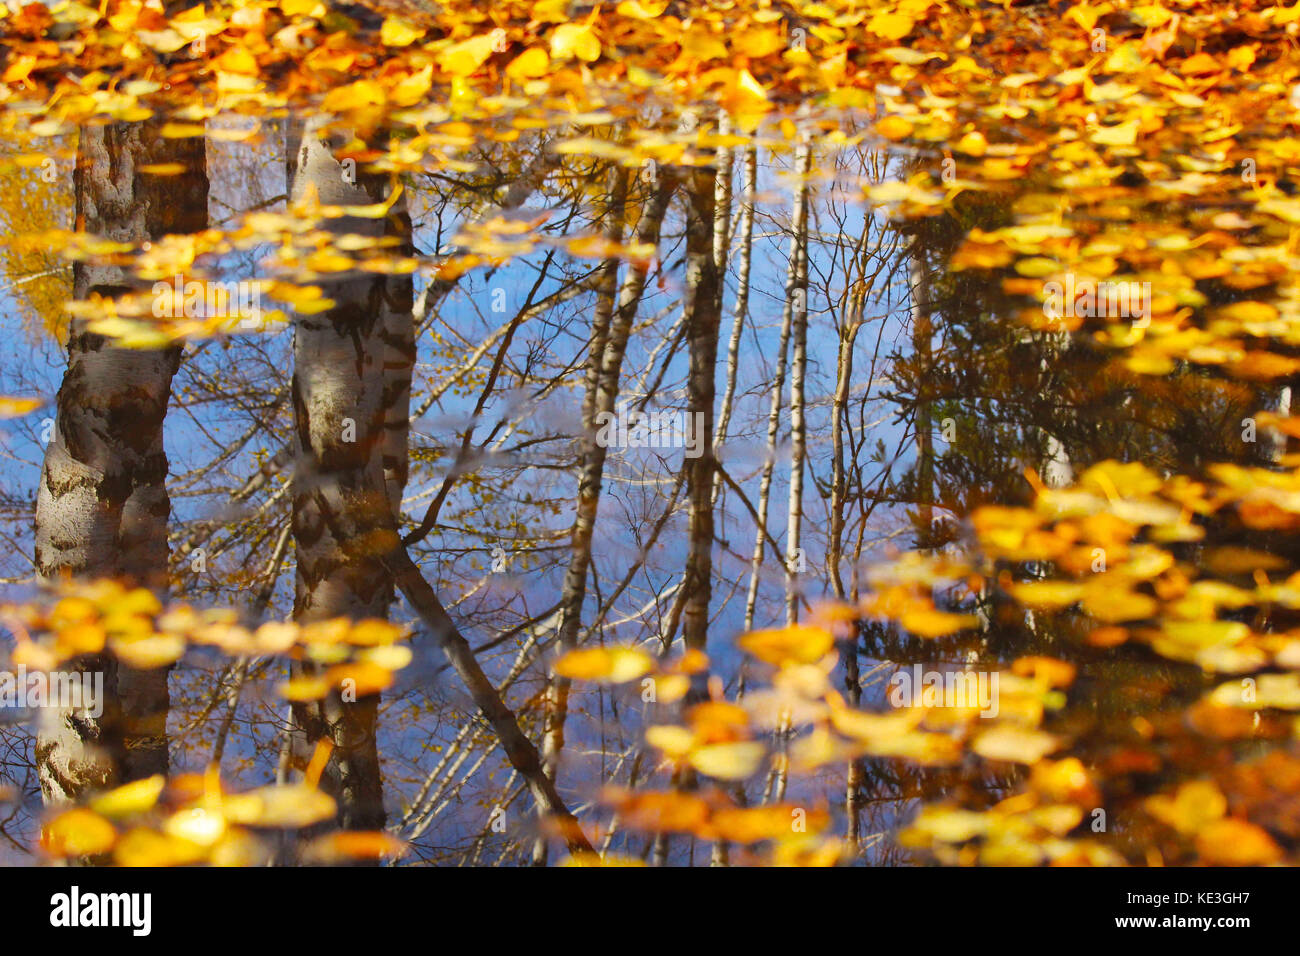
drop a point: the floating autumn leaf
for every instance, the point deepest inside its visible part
(730, 761)
(656, 812)
(202, 826)
(14, 407)
(285, 806)
(931, 622)
(1195, 804)
(150, 652)
(136, 797)
(397, 32)
(1232, 842)
(142, 846)
(772, 822)
(306, 687)
(78, 833)
(575, 40)
(1047, 595)
(350, 845)
(614, 665)
(890, 26)
(676, 742)
(1016, 744)
(530, 64)
(796, 644)
(946, 824)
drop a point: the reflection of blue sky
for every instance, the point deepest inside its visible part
(637, 482)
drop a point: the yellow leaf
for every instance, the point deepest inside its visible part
(13, 407)
(349, 845)
(575, 40)
(614, 665)
(162, 169)
(1125, 134)
(891, 26)
(198, 825)
(532, 63)
(733, 761)
(642, 9)
(894, 128)
(135, 797)
(673, 740)
(397, 32)
(78, 832)
(302, 689)
(412, 89)
(931, 622)
(1237, 843)
(1015, 744)
(147, 653)
(359, 95)
(145, 847)
(797, 644)
(286, 806)
(1196, 804)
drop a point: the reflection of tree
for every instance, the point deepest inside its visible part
(349, 475)
(103, 507)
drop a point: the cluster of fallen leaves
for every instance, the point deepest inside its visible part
(191, 819)
(104, 616)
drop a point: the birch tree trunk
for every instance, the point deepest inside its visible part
(343, 493)
(797, 300)
(797, 216)
(102, 506)
(741, 309)
(616, 310)
(702, 315)
(922, 333)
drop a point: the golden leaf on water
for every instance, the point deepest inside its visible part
(361, 679)
(890, 26)
(1048, 595)
(1232, 842)
(931, 622)
(947, 824)
(598, 859)
(1115, 605)
(239, 847)
(147, 653)
(1015, 744)
(275, 637)
(796, 644)
(78, 832)
(287, 806)
(397, 32)
(673, 740)
(729, 761)
(199, 825)
(673, 811)
(144, 847)
(614, 665)
(138, 796)
(1195, 804)
(530, 64)
(575, 40)
(307, 687)
(14, 407)
(347, 845)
